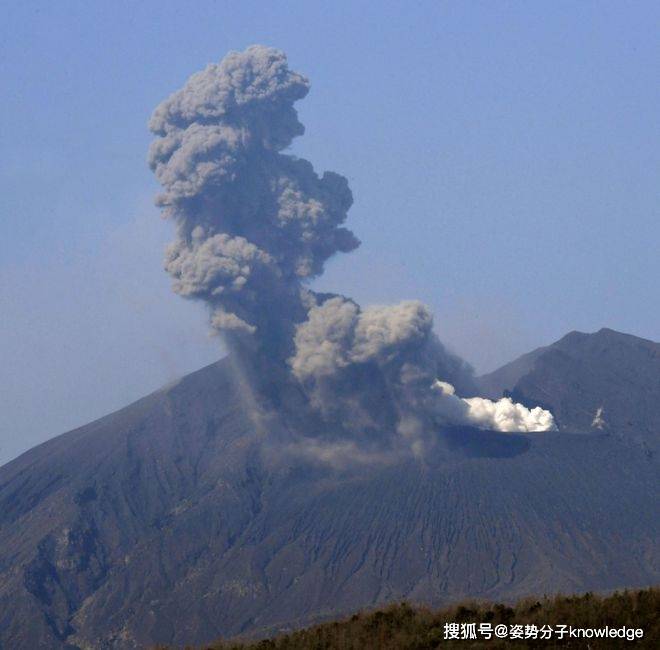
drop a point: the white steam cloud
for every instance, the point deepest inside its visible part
(502, 415)
(599, 421)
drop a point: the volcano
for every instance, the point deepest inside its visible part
(607, 381)
(182, 517)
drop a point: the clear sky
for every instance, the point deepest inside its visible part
(504, 158)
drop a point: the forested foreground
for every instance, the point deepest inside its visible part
(587, 621)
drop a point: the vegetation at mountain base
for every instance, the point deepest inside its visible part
(404, 627)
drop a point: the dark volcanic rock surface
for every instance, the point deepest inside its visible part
(582, 373)
(166, 522)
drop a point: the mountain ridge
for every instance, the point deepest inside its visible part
(607, 379)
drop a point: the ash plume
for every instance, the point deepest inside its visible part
(255, 225)
(252, 223)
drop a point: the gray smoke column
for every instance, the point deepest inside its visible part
(255, 225)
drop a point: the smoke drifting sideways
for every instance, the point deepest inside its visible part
(255, 225)
(502, 415)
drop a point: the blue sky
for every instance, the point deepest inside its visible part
(503, 156)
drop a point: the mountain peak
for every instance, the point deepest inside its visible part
(581, 374)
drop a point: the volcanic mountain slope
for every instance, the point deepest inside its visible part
(607, 380)
(181, 518)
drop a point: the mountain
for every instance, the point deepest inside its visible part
(607, 380)
(182, 518)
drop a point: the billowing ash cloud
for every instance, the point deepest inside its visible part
(255, 225)
(372, 368)
(338, 334)
(252, 222)
(503, 415)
